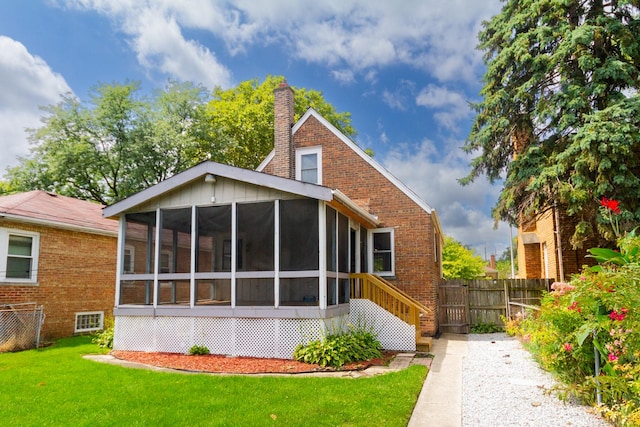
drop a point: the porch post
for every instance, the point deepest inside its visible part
(322, 253)
(276, 255)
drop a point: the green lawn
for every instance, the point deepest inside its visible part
(55, 386)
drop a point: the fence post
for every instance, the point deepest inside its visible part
(506, 299)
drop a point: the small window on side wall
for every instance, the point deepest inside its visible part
(383, 252)
(89, 321)
(18, 256)
(309, 165)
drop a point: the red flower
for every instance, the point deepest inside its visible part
(612, 357)
(568, 347)
(612, 205)
(614, 315)
(574, 306)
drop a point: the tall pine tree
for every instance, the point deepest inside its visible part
(559, 119)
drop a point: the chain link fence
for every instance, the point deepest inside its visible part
(20, 326)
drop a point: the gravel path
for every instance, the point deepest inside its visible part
(503, 386)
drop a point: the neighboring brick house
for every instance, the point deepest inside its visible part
(315, 147)
(58, 252)
(256, 262)
(544, 248)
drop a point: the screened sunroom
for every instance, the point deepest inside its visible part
(242, 262)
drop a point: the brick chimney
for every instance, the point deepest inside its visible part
(283, 160)
(492, 263)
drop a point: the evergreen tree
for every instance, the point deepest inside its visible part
(559, 119)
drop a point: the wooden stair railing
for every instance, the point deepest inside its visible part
(389, 297)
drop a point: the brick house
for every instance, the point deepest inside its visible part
(255, 262)
(544, 248)
(58, 252)
(407, 222)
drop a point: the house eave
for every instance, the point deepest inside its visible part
(340, 197)
(359, 151)
(56, 224)
(217, 169)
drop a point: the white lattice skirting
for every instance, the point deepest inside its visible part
(254, 337)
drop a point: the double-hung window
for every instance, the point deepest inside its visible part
(18, 256)
(383, 252)
(309, 165)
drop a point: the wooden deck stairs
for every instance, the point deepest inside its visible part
(394, 300)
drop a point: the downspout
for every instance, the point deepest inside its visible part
(558, 241)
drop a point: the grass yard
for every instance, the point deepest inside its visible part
(55, 386)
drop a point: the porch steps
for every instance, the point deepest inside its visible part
(423, 344)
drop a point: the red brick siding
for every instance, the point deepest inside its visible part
(531, 256)
(417, 272)
(76, 273)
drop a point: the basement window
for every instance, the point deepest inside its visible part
(89, 321)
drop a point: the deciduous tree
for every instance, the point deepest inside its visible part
(117, 144)
(243, 117)
(459, 262)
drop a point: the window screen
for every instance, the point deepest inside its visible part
(214, 239)
(176, 241)
(19, 257)
(139, 238)
(255, 226)
(331, 239)
(309, 168)
(382, 252)
(299, 235)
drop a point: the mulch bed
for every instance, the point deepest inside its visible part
(237, 365)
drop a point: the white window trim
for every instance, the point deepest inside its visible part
(4, 252)
(306, 151)
(129, 269)
(88, 313)
(390, 230)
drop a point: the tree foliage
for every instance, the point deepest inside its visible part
(559, 118)
(121, 142)
(243, 116)
(459, 262)
(117, 145)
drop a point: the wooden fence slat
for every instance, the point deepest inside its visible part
(466, 303)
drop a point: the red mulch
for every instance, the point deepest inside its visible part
(236, 365)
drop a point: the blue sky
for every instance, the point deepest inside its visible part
(405, 70)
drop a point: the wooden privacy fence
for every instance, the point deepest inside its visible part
(463, 304)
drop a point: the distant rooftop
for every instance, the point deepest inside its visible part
(43, 207)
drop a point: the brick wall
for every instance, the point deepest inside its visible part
(531, 261)
(282, 164)
(417, 271)
(76, 273)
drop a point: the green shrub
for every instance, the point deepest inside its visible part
(598, 311)
(104, 338)
(335, 350)
(198, 350)
(486, 328)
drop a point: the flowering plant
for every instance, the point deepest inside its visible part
(597, 309)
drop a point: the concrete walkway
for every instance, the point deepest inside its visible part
(440, 401)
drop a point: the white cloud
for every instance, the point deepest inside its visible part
(27, 83)
(464, 212)
(452, 106)
(155, 32)
(434, 36)
(401, 97)
(343, 76)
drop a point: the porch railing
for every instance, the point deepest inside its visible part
(389, 297)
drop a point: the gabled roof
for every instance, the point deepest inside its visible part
(217, 169)
(41, 207)
(353, 146)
